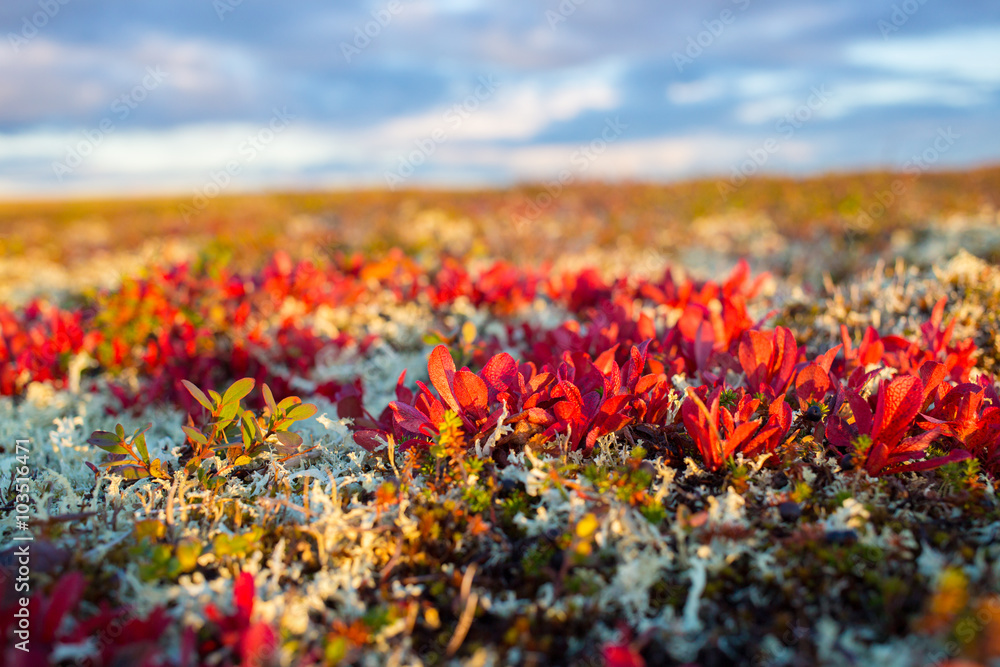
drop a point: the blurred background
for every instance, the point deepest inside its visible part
(119, 98)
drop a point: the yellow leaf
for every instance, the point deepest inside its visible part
(468, 332)
(587, 526)
(241, 460)
(150, 528)
(156, 469)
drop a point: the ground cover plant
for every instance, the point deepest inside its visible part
(420, 456)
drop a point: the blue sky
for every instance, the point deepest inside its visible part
(121, 97)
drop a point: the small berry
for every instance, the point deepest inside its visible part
(507, 487)
(841, 537)
(790, 511)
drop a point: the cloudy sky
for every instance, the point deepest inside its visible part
(125, 97)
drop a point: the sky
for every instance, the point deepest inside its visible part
(117, 97)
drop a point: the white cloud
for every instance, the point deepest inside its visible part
(69, 80)
(657, 157)
(969, 55)
(696, 92)
(517, 112)
(851, 96)
(766, 110)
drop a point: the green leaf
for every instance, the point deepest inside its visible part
(433, 338)
(140, 442)
(128, 469)
(215, 396)
(269, 398)
(228, 411)
(288, 440)
(134, 472)
(300, 412)
(188, 552)
(251, 423)
(109, 442)
(237, 391)
(120, 430)
(198, 394)
(288, 402)
(195, 435)
(101, 438)
(124, 462)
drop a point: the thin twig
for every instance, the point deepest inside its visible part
(465, 621)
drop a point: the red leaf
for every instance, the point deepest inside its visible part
(408, 417)
(878, 455)
(871, 349)
(243, 594)
(403, 393)
(786, 353)
(65, 597)
(951, 457)
(370, 439)
(605, 359)
(645, 327)
(861, 411)
(441, 370)
(636, 364)
(812, 385)
(649, 382)
(471, 392)
(825, 360)
(691, 320)
(898, 405)
(755, 354)
(621, 655)
(739, 436)
(350, 406)
(612, 380)
(257, 645)
(500, 372)
(932, 374)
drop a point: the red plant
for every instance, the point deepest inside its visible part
(970, 415)
(719, 433)
(621, 655)
(252, 644)
(887, 450)
(54, 622)
(768, 359)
